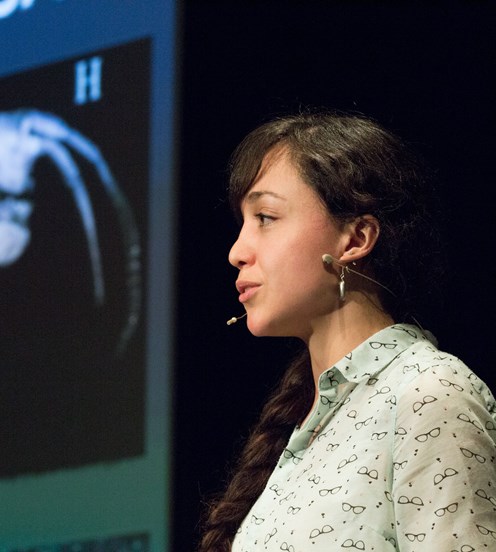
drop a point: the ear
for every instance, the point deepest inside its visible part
(362, 235)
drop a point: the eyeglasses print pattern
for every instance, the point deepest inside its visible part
(384, 469)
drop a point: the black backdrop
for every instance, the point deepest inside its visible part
(424, 70)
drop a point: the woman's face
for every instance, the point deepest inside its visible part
(282, 281)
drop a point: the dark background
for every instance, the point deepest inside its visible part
(426, 71)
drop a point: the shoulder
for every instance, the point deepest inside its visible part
(424, 371)
(444, 450)
(441, 403)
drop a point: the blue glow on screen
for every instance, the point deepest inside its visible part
(87, 105)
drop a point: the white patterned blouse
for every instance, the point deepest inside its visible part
(399, 454)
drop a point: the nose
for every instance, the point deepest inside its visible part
(241, 253)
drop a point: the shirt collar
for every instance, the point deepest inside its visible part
(373, 355)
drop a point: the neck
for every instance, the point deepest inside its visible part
(339, 332)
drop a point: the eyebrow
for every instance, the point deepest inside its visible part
(253, 196)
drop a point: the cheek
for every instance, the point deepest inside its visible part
(306, 258)
(310, 279)
(303, 274)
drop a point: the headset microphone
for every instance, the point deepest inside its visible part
(233, 320)
(329, 259)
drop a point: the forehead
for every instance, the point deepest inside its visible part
(279, 180)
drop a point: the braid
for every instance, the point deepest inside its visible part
(287, 406)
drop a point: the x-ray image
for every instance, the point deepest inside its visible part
(27, 136)
(73, 218)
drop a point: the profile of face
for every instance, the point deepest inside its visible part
(282, 282)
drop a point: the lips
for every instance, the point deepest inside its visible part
(246, 290)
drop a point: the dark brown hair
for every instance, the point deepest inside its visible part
(356, 167)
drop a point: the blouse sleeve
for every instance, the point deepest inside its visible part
(444, 467)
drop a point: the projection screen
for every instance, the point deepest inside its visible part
(87, 93)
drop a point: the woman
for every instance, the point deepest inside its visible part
(375, 439)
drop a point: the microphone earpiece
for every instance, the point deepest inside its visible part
(233, 320)
(328, 259)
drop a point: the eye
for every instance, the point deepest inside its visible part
(264, 219)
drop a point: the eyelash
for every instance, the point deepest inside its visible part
(264, 220)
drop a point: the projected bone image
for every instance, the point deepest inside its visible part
(73, 243)
(25, 136)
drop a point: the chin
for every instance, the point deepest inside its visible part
(258, 331)
(260, 327)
